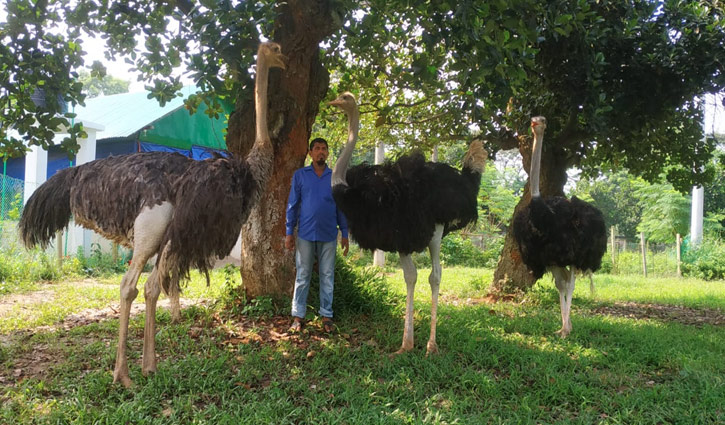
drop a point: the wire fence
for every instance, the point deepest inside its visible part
(11, 206)
(644, 258)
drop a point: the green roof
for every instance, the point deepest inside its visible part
(125, 115)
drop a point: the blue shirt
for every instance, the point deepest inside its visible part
(311, 208)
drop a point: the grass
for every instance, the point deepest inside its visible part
(499, 363)
(61, 299)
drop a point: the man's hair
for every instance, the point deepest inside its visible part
(319, 140)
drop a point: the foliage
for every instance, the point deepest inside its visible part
(706, 261)
(715, 191)
(100, 263)
(665, 212)
(615, 195)
(101, 86)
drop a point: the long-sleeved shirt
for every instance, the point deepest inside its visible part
(311, 208)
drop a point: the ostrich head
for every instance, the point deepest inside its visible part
(346, 101)
(538, 125)
(270, 53)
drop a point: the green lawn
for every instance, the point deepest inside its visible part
(499, 363)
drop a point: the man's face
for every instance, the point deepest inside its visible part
(319, 153)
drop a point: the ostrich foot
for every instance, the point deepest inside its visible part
(403, 349)
(563, 332)
(122, 377)
(431, 349)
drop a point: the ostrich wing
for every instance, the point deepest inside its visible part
(212, 201)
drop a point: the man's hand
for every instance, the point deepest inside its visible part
(345, 244)
(289, 242)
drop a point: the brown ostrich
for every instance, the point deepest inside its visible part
(189, 212)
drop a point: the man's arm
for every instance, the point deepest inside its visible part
(293, 208)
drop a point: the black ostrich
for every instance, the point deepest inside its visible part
(563, 236)
(189, 212)
(406, 206)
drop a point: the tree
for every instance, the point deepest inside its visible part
(615, 195)
(665, 212)
(617, 80)
(101, 86)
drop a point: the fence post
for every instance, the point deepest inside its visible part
(614, 246)
(59, 247)
(679, 259)
(644, 253)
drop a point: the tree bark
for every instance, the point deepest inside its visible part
(511, 274)
(294, 97)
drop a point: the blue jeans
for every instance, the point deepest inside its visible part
(305, 253)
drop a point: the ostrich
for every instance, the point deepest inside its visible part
(406, 206)
(563, 236)
(188, 211)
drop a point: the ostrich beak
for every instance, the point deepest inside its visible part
(336, 102)
(281, 61)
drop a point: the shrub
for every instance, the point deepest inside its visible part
(706, 261)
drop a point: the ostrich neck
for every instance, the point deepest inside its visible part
(338, 174)
(536, 163)
(260, 156)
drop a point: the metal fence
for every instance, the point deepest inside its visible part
(11, 206)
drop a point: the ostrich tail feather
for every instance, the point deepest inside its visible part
(48, 210)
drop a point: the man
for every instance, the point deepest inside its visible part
(312, 210)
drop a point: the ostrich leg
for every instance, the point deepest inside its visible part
(564, 280)
(411, 275)
(434, 280)
(148, 227)
(174, 303)
(151, 293)
(128, 294)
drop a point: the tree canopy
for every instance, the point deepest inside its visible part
(620, 82)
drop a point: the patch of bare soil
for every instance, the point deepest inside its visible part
(270, 331)
(8, 302)
(38, 359)
(665, 313)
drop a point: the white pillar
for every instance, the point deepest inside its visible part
(378, 255)
(86, 153)
(36, 170)
(698, 201)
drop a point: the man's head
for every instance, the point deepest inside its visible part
(319, 151)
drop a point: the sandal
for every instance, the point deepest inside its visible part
(328, 325)
(296, 325)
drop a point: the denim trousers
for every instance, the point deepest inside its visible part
(305, 252)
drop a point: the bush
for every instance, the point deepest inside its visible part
(707, 261)
(99, 263)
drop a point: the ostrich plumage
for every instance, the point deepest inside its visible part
(564, 236)
(189, 212)
(406, 206)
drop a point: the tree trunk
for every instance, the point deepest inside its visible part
(511, 273)
(295, 94)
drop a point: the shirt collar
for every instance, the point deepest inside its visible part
(327, 169)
